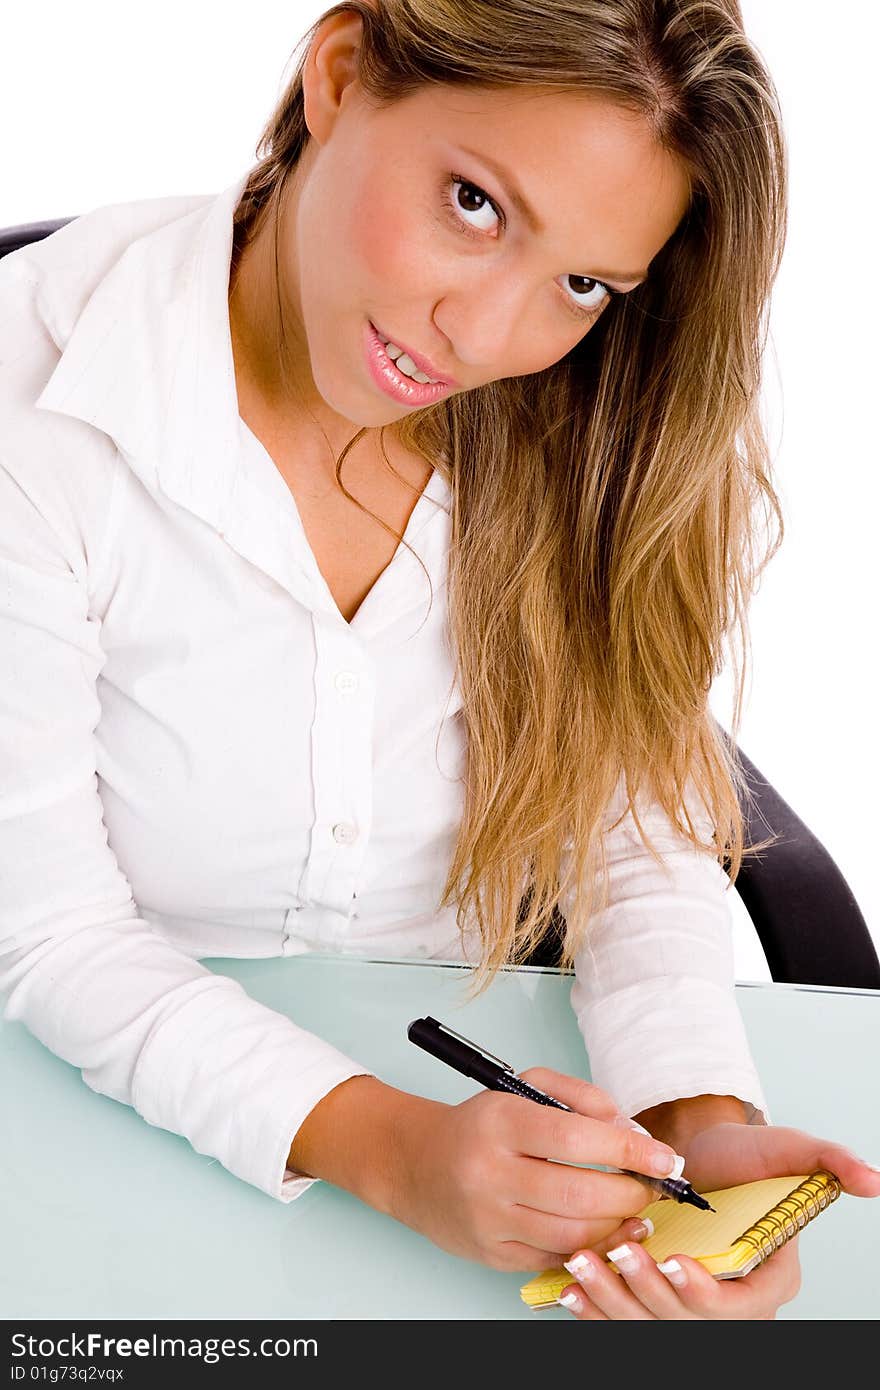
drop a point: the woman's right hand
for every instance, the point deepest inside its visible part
(474, 1178)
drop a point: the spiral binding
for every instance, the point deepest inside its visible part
(791, 1214)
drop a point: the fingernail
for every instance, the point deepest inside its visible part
(673, 1271)
(624, 1258)
(579, 1266)
(624, 1122)
(571, 1300)
(667, 1165)
(864, 1161)
(643, 1228)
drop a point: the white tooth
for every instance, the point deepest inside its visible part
(405, 364)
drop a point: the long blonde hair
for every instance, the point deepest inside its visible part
(612, 513)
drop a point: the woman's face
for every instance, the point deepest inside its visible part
(483, 229)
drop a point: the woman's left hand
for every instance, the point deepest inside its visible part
(681, 1288)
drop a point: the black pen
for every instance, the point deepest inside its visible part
(473, 1061)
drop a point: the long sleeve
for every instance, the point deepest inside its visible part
(86, 974)
(654, 979)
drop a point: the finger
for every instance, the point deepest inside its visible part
(516, 1256)
(575, 1300)
(698, 1294)
(543, 1132)
(629, 1232)
(794, 1151)
(745, 1299)
(553, 1233)
(537, 1228)
(774, 1282)
(580, 1194)
(610, 1295)
(581, 1095)
(857, 1177)
(681, 1288)
(631, 1288)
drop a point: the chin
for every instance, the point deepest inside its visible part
(368, 412)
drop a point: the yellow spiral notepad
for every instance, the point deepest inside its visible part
(749, 1222)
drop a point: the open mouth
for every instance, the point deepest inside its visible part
(392, 379)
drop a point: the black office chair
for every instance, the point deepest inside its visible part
(13, 238)
(807, 920)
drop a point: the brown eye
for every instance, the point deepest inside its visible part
(585, 283)
(473, 203)
(589, 294)
(470, 199)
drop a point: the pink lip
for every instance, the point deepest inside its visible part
(394, 383)
(424, 364)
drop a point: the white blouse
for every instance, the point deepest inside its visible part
(199, 757)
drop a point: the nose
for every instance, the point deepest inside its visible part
(483, 318)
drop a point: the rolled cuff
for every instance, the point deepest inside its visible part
(292, 1184)
(695, 1046)
(238, 1080)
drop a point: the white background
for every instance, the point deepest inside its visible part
(105, 102)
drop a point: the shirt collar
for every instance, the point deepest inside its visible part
(146, 357)
(149, 359)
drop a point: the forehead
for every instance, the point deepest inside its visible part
(590, 168)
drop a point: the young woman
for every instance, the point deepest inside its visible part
(506, 265)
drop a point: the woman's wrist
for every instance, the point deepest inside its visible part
(354, 1136)
(677, 1121)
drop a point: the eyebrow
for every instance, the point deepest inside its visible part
(525, 210)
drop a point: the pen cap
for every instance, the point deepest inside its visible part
(427, 1034)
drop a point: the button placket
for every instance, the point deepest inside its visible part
(342, 770)
(347, 682)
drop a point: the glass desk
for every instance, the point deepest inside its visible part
(104, 1216)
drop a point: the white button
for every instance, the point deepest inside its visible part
(345, 833)
(347, 681)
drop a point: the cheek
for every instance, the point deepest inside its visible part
(538, 352)
(387, 235)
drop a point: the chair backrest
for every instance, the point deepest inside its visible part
(807, 920)
(13, 238)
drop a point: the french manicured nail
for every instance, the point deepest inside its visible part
(624, 1122)
(873, 1166)
(643, 1228)
(580, 1267)
(571, 1300)
(667, 1165)
(624, 1258)
(660, 1164)
(673, 1271)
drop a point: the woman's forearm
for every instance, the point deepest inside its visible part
(354, 1138)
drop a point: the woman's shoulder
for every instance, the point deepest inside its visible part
(46, 285)
(45, 289)
(49, 282)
